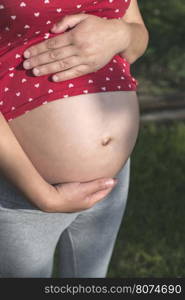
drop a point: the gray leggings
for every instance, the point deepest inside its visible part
(29, 236)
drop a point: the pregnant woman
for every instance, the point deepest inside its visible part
(69, 120)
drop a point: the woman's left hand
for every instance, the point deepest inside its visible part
(84, 49)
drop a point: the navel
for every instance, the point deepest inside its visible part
(106, 140)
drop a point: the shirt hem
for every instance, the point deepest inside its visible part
(44, 99)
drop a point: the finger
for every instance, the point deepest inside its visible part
(68, 21)
(98, 196)
(58, 41)
(72, 73)
(49, 56)
(57, 66)
(91, 187)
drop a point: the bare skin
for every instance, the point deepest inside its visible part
(78, 141)
(81, 138)
(18, 168)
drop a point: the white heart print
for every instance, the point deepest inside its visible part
(23, 4)
(59, 10)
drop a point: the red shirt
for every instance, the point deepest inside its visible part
(24, 23)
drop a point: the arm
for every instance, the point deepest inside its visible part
(136, 33)
(17, 167)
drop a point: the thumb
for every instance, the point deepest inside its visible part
(68, 21)
(94, 186)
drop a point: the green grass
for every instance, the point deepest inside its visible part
(151, 241)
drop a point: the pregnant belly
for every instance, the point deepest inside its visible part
(80, 138)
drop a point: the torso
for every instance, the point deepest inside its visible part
(80, 138)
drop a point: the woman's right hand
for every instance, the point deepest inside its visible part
(77, 196)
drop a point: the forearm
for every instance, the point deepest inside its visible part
(134, 42)
(17, 167)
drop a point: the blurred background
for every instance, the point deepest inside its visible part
(151, 240)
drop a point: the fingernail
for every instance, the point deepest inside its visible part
(26, 54)
(26, 64)
(36, 71)
(55, 78)
(109, 182)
